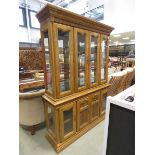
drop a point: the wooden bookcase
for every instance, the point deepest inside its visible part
(76, 53)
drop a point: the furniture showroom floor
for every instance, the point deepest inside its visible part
(89, 144)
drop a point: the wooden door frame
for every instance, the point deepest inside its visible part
(57, 26)
(91, 104)
(106, 38)
(54, 135)
(97, 60)
(68, 106)
(48, 28)
(103, 92)
(79, 102)
(76, 30)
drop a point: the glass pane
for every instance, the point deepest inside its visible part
(21, 18)
(93, 59)
(48, 62)
(103, 59)
(81, 59)
(34, 20)
(68, 121)
(51, 119)
(64, 60)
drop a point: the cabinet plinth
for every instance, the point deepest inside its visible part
(76, 59)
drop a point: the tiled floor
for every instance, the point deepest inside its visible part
(89, 144)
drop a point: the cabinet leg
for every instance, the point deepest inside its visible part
(32, 129)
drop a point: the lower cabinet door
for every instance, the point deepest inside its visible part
(83, 113)
(67, 120)
(51, 121)
(94, 102)
(103, 102)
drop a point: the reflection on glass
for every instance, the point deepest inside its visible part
(81, 59)
(64, 60)
(93, 59)
(51, 119)
(68, 121)
(103, 60)
(48, 62)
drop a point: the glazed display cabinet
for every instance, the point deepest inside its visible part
(76, 60)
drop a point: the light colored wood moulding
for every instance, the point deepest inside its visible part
(69, 29)
(76, 31)
(85, 102)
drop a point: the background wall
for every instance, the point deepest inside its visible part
(82, 6)
(27, 33)
(120, 14)
(31, 58)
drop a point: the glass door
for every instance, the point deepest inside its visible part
(94, 58)
(48, 63)
(81, 55)
(64, 59)
(67, 120)
(104, 59)
(50, 117)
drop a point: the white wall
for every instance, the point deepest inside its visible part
(23, 34)
(117, 13)
(94, 3)
(80, 6)
(77, 7)
(120, 14)
(34, 34)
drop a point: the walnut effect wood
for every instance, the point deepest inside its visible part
(77, 110)
(32, 129)
(31, 85)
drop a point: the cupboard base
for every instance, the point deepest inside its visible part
(61, 146)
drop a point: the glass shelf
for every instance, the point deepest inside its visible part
(81, 59)
(68, 121)
(48, 62)
(51, 119)
(93, 59)
(103, 59)
(64, 60)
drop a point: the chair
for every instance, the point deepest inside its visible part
(130, 77)
(130, 62)
(122, 83)
(31, 109)
(115, 85)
